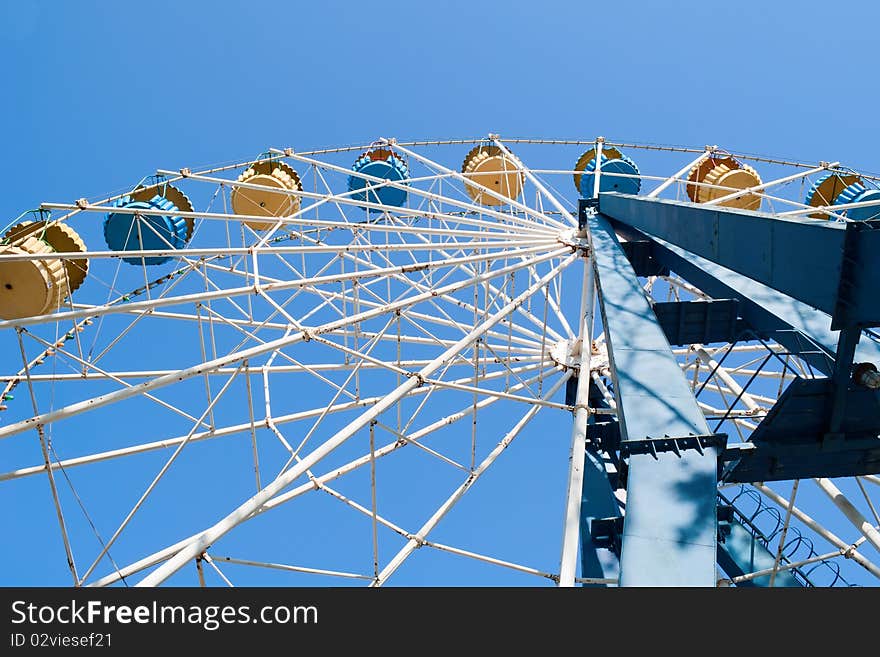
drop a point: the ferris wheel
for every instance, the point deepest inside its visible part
(481, 361)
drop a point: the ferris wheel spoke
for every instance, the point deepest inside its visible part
(124, 331)
(338, 200)
(218, 432)
(451, 227)
(490, 560)
(537, 183)
(539, 218)
(411, 316)
(531, 401)
(91, 366)
(379, 301)
(434, 341)
(415, 542)
(868, 530)
(59, 512)
(530, 254)
(226, 524)
(367, 309)
(868, 500)
(292, 568)
(309, 486)
(677, 176)
(847, 550)
(424, 448)
(446, 200)
(283, 498)
(340, 389)
(152, 485)
(499, 293)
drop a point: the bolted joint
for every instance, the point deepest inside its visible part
(866, 375)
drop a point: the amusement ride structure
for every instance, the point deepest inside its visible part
(438, 362)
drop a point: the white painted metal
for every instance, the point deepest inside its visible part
(677, 176)
(209, 536)
(418, 538)
(572, 517)
(421, 278)
(850, 511)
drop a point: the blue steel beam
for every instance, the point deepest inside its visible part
(827, 265)
(597, 502)
(669, 534)
(801, 329)
(743, 553)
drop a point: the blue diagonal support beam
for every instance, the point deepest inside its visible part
(801, 329)
(597, 502)
(828, 265)
(743, 553)
(669, 534)
(598, 560)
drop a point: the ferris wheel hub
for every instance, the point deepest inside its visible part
(574, 238)
(567, 354)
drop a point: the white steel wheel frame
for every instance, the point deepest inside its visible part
(227, 417)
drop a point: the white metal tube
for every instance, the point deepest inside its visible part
(678, 174)
(833, 210)
(473, 183)
(239, 428)
(313, 281)
(787, 566)
(295, 569)
(197, 370)
(165, 553)
(283, 250)
(597, 172)
(342, 198)
(819, 529)
(851, 512)
(729, 381)
(537, 183)
(572, 517)
(771, 183)
(433, 521)
(230, 521)
(488, 559)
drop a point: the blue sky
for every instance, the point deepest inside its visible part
(98, 94)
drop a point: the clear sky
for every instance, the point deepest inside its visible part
(98, 94)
